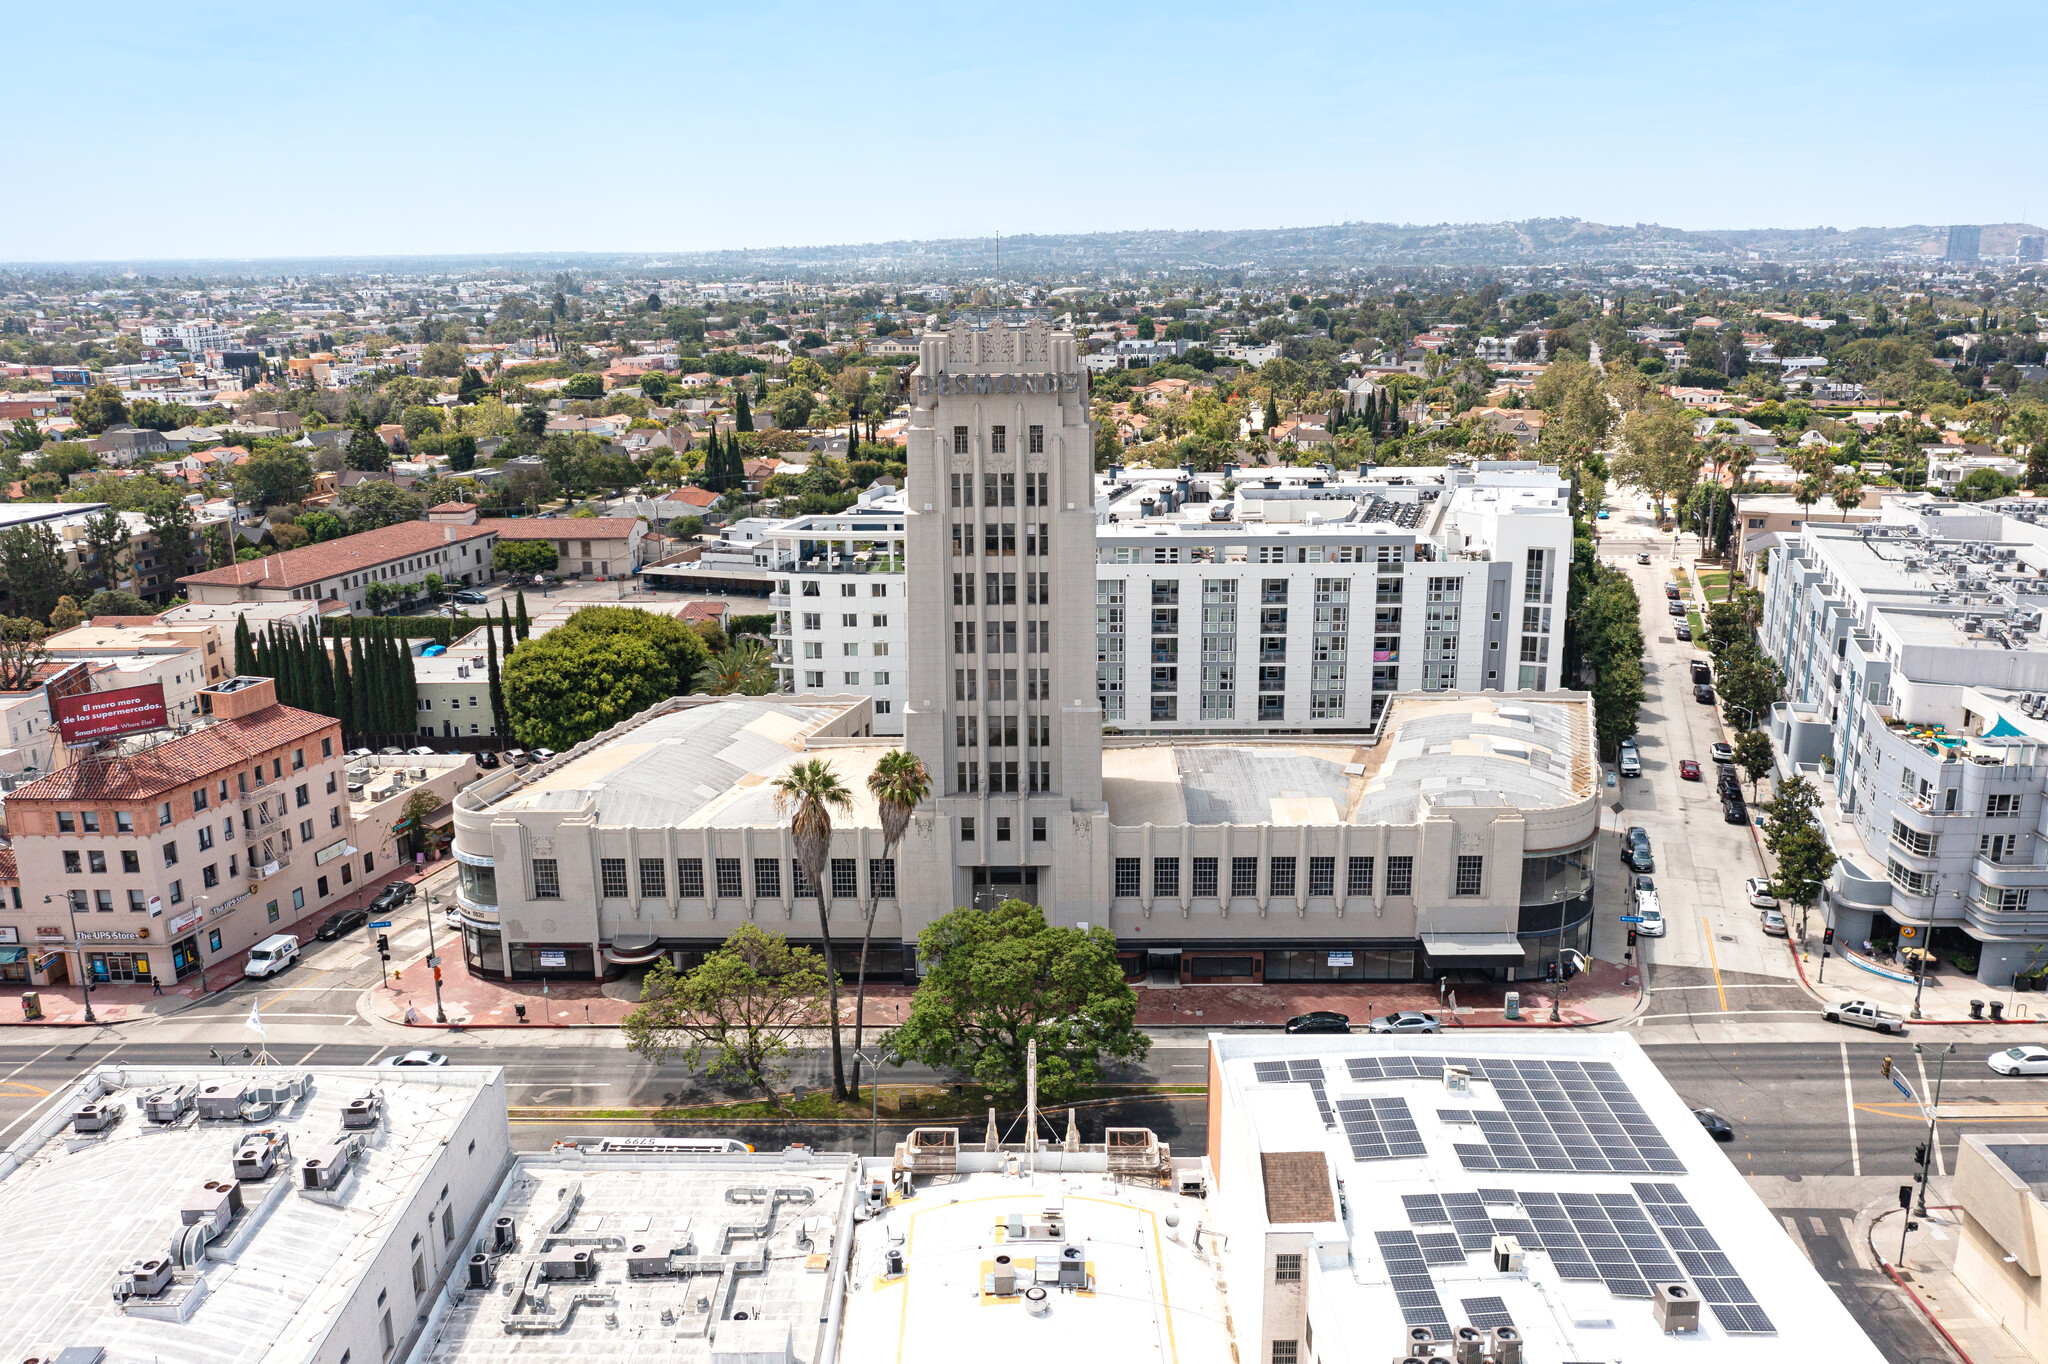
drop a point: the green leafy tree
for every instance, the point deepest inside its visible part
(366, 450)
(523, 557)
(567, 685)
(808, 793)
(899, 783)
(274, 474)
(522, 627)
(584, 387)
(22, 652)
(32, 562)
(501, 722)
(1657, 454)
(1750, 684)
(245, 648)
(377, 595)
(743, 416)
(735, 1016)
(114, 602)
(742, 669)
(1753, 755)
(999, 979)
(321, 526)
(374, 504)
(106, 544)
(98, 408)
(1796, 842)
(66, 613)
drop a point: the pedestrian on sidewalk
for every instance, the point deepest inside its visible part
(156, 984)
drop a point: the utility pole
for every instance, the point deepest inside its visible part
(1927, 1151)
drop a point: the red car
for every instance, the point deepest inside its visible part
(1689, 770)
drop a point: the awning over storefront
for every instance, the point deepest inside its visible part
(1473, 949)
(9, 956)
(641, 957)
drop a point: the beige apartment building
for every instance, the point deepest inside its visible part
(337, 573)
(152, 857)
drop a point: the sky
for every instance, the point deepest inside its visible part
(229, 130)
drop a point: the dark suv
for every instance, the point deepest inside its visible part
(1635, 849)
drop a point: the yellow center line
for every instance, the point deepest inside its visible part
(1714, 960)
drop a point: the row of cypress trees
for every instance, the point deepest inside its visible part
(369, 686)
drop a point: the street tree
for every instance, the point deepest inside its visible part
(899, 783)
(1754, 756)
(736, 1015)
(107, 542)
(33, 565)
(22, 652)
(1750, 684)
(808, 793)
(1795, 840)
(998, 980)
(1657, 455)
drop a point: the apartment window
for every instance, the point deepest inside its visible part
(1358, 877)
(845, 878)
(849, 590)
(2005, 806)
(814, 620)
(882, 877)
(1128, 871)
(72, 864)
(1280, 876)
(767, 878)
(1038, 826)
(729, 879)
(1166, 876)
(1286, 1352)
(103, 901)
(653, 879)
(419, 1277)
(124, 822)
(1322, 876)
(1400, 876)
(998, 441)
(967, 829)
(547, 881)
(1244, 876)
(1286, 1269)
(1906, 879)
(959, 440)
(690, 878)
(198, 801)
(448, 1224)
(612, 877)
(303, 795)
(91, 821)
(177, 895)
(390, 1340)
(1035, 436)
(1471, 871)
(170, 854)
(81, 903)
(1913, 841)
(1203, 882)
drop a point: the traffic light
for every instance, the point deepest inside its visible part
(1631, 937)
(1827, 937)
(1886, 1069)
(1550, 973)
(1905, 1195)
(384, 951)
(1920, 1154)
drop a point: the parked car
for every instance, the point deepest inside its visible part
(1635, 849)
(421, 752)
(2027, 1060)
(1734, 812)
(1861, 1013)
(413, 1058)
(391, 752)
(1774, 924)
(340, 922)
(1628, 760)
(1688, 770)
(1722, 753)
(272, 955)
(518, 757)
(469, 596)
(1672, 591)
(392, 896)
(1643, 557)
(1407, 1020)
(1683, 629)
(487, 759)
(1642, 883)
(543, 755)
(1651, 914)
(1676, 608)
(1701, 672)
(355, 753)
(1718, 1127)
(1703, 694)
(1759, 891)
(1320, 1020)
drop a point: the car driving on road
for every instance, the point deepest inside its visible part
(413, 1058)
(392, 896)
(340, 922)
(1861, 1013)
(1718, 1127)
(1688, 770)
(2028, 1060)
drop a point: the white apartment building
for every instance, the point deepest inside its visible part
(1914, 668)
(1305, 609)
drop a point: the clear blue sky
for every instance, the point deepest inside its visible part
(228, 130)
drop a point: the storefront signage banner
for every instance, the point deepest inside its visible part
(185, 921)
(111, 935)
(1341, 959)
(548, 958)
(9, 933)
(332, 851)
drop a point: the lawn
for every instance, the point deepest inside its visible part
(1714, 582)
(1699, 631)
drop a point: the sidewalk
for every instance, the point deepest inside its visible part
(1607, 992)
(1944, 997)
(1926, 1273)
(64, 1005)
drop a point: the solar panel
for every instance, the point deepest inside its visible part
(1567, 1115)
(1301, 1072)
(1381, 1129)
(1486, 1313)
(1417, 1297)
(1423, 1209)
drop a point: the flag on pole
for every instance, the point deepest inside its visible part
(254, 1023)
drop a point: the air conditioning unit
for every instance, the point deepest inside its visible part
(170, 1103)
(327, 1167)
(363, 1111)
(504, 1236)
(219, 1101)
(257, 1154)
(1675, 1306)
(482, 1271)
(143, 1278)
(1468, 1345)
(1507, 1345)
(1507, 1255)
(95, 1117)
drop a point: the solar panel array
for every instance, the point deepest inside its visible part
(1309, 1072)
(1414, 1289)
(1485, 1314)
(1566, 1115)
(1380, 1129)
(1710, 1269)
(1600, 1236)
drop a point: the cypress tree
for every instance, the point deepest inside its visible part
(409, 690)
(344, 690)
(245, 648)
(499, 721)
(323, 673)
(743, 416)
(505, 620)
(520, 619)
(358, 717)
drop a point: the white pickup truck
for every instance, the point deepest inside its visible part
(1863, 1014)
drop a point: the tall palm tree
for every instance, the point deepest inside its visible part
(808, 793)
(1847, 492)
(899, 785)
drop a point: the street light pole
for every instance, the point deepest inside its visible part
(440, 1014)
(1927, 1162)
(1920, 971)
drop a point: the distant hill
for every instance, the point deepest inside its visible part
(1340, 246)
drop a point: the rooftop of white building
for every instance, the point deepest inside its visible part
(82, 1206)
(693, 1254)
(1405, 1159)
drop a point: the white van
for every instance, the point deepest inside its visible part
(272, 955)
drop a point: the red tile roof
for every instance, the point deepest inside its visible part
(8, 871)
(563, 528)
(454, 506)
(696, 497)
(349, 554)
(219, 747)
(1297, 1187)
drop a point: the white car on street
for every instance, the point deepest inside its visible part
(1760, 896)
(2028, 1060)
(1652, 925)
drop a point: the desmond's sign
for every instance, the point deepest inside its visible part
(106, 714)
(998, 383)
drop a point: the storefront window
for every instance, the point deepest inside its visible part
(1550, 877)
(185, 957)
(1339, 964)
(484, 952)
(117, 968)
(530, 960)
(479, 884)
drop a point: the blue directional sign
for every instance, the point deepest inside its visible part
(1629, 918)
(1900, 1085)
(380, 923)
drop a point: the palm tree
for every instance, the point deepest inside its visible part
(808, 793)
(899, 785)
(1847, 492)
(745, 668)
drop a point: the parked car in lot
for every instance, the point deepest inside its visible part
(2027, 1060)
(487, 759)
(355, 753)
(1320, 1020)
(1722, 753)
(1407, 1020)
(1759, 891)
(1774, 924)
(1718, 1127)
(1635, 849)
(1861, 1013)
(340, 922)
(518, 757)
(469, 596)
(420, 752)
(543, 755)
(1688, 770)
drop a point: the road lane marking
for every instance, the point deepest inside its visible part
(1849, 1093)
(1714, 960)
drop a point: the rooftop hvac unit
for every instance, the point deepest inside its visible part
(170, 1103)
(1073, 1267)
(256, 1154)
(1507, 1345)
(328, 1166)
(1419, 1340)
(362, 1111)
(645, 1262)
(95, 1117)
(504, 1236)
(416, 773)
(214, 1203)
(481, 1271)
(1468, 1345)
(221, 1100)
(143, 1278)
(1507, 1255)
(1675, 1306)
(568, 1265)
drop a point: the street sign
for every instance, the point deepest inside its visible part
(380, 923)
(1630, 918)
(434, 960)
(1900, 1085)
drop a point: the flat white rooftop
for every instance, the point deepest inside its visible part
(1145, 1293)
(80, 1208)
(1573, 1145)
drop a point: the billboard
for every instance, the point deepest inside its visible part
(106, 714)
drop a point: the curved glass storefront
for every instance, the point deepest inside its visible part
(1550, 877)
(1557, 907)
(479, 885)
